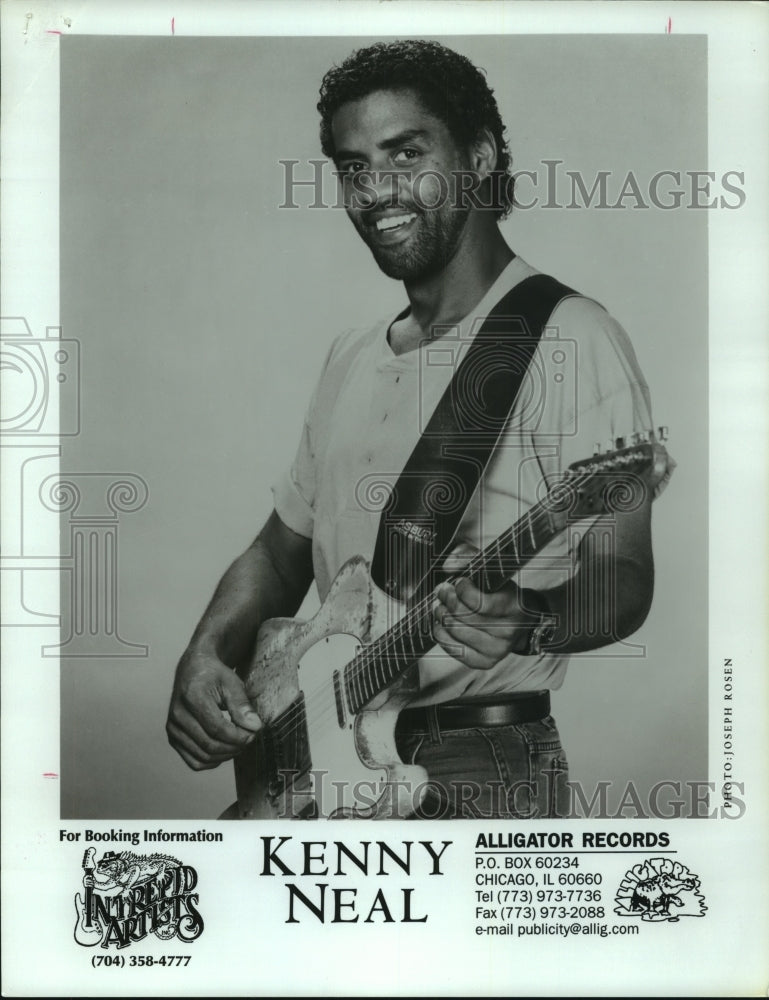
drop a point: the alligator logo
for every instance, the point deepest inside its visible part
(127, 896)
(651, 888)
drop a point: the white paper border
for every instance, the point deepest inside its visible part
(723, 953)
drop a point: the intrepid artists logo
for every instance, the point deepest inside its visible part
(649, 890)
(127, 896)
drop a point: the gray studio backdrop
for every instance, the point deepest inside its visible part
(204, 311)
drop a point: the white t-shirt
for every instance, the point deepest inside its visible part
(368, 411)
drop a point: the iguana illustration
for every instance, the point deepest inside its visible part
(118, 873)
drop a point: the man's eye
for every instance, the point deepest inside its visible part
(406, 155)
(354, 167)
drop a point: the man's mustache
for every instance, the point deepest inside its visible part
(371, 214)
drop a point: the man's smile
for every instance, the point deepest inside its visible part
(394, 221)
(391, 227)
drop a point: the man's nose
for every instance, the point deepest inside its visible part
(380, 188)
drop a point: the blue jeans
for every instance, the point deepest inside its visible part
(496, 772)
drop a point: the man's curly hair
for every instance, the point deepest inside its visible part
(448, 84)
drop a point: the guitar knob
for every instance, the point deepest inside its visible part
(662, 433)
(597, 448)
(620, 444)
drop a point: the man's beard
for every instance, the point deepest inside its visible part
(426, 253)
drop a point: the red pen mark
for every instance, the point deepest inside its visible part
(50, 31)
(670, 25)
(173, 25)
(50, 774)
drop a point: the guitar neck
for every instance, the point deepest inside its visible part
(613, 481)
(377, 666)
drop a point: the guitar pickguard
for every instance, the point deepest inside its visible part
(347, 764)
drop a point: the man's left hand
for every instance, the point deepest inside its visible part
(480, 629)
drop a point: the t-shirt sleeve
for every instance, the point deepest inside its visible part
(295, 491)
(594, 393)
(608, 397)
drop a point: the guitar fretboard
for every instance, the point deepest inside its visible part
(387, 658)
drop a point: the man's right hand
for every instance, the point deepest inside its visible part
(210, 718)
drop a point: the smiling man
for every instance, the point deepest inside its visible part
(419, 146)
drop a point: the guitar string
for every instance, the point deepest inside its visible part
(326, 705)
(284, 724)
(380, 649)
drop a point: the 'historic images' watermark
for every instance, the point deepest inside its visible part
(312, 185)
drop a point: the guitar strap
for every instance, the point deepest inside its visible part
(427, 503)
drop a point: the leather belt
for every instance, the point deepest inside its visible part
(474, 713)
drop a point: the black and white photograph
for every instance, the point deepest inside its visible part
(266, 364)
(374, 450)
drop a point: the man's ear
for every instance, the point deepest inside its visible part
(483, 153)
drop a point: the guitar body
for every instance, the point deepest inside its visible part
(88, 932)
(342, 764)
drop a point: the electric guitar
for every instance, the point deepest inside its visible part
(329, 690)
(88, 930)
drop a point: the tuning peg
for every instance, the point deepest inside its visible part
(637, 438)
(662, 433)
(619, 444)
(597, 448)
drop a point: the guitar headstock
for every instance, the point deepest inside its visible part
(618, 479)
